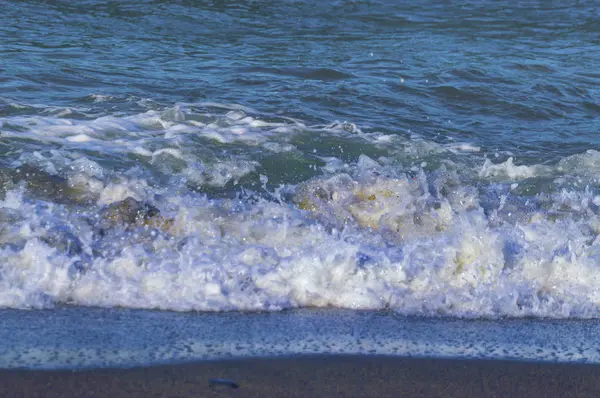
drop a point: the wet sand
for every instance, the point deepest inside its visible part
(314, 376)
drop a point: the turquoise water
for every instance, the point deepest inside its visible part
(430, 159)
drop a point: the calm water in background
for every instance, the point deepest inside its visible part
(437, 158)
(506, 76)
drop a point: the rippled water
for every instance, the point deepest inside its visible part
(432, 159)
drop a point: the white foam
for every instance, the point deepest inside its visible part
(369, 233)
(117, 191)
(100, 97)
(363, 242)
(586, 164)
(464, 147)
(79, 138)
(509, 170)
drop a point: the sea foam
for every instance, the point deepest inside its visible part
(413, 229)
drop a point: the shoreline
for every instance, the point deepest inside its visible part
(85, 338)
(314, 375)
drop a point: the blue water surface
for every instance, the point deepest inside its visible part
(516, 76)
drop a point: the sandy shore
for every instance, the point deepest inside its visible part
(317, 376)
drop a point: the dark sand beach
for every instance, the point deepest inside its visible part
(315, 376)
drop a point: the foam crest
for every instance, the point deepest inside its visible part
(121, 220)
(511, 171)
(584, 165)
(369, 238)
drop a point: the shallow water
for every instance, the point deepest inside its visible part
(428, 159)
(79, 337)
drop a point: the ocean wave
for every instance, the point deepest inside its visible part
(413, 230)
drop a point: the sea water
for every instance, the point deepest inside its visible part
(431, 159)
